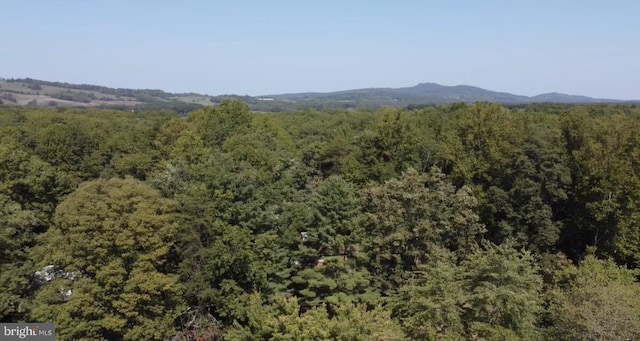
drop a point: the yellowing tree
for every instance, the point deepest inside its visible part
(596, 301)
(282, 321)
(113, 244)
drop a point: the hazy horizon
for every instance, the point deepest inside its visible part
(586, 48)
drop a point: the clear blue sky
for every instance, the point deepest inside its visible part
(264, 47)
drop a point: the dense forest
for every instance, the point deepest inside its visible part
(453, 222)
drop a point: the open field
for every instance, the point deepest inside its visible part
(30, 92)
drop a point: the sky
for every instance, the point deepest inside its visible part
(580, 47)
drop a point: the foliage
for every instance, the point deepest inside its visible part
(283, 321)
(115, 239)
(504, 290)
(450, 222)
(413, 215)
(596, 301)
(430, 305)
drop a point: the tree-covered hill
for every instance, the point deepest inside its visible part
(32, 92)
(452, 222)
(428, 93)
(38, 93)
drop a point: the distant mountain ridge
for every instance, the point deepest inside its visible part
(433, 93)
(34, 92)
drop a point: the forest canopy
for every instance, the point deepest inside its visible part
(461, 221)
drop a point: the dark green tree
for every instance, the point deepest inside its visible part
(412, 215)
(430, 306)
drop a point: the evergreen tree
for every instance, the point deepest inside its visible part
(504, 294)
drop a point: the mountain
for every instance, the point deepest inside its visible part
(34, 92)
(432, 93)
(554, 97)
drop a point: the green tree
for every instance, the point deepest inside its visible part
(392, 147)
(596, 301)
(412, 215)
(17, 227)
(336, 225)
(218, 260)
(114, 241)
(606, 184)
(30, 189)
(504, 294)
(339, 152)
(283, 321)
(328, 249)
(31, 182)
(214, 124)
(430, 305)
(65, 145)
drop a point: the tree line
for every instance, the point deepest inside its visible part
(463, 221)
